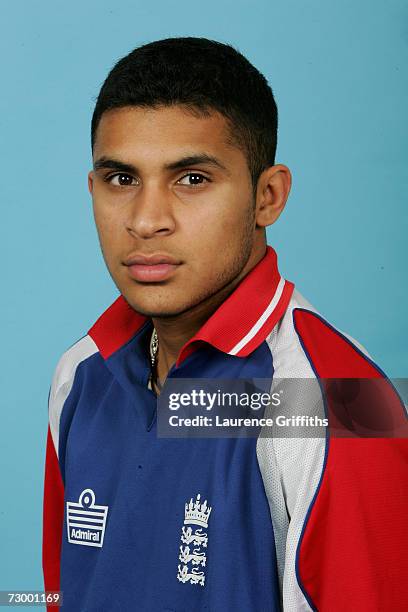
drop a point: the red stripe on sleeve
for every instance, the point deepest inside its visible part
(53, 517)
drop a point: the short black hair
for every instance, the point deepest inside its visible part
(203, 75)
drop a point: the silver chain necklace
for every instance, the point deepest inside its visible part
(154, 347)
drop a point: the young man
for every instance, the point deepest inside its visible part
(184, 183)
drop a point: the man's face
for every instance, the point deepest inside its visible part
(149, 199)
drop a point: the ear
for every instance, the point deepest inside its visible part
(271, 194)
(90, 181)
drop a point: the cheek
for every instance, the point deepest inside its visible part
(215, 240)
(106, 218)
(217, 224)
(108, 229)
(223, 210)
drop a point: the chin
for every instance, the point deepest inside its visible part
(155, 308)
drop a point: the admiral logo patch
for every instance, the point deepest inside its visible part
(86, 521)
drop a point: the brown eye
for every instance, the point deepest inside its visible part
(193, 178)
(121, 180)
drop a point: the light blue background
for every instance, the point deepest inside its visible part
(339, 73)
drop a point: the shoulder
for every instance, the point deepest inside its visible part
(63, 379)
(68, 362)
(313, 483)
(305, 343)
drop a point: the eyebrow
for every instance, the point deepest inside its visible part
(183, 162)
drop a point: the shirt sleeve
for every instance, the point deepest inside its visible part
(339, 503)
(53, 515)
(53, 501)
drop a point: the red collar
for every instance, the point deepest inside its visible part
(237, 327)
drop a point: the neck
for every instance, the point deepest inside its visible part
(174, 332)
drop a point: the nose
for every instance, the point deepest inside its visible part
(150, 212)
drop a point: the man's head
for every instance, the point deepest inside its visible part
(183, 141)
(202, 75)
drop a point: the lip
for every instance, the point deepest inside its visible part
(150, 260)
(151, 268)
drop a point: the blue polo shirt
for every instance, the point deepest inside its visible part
(136, 521)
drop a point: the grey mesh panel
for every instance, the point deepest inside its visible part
(291, 467)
